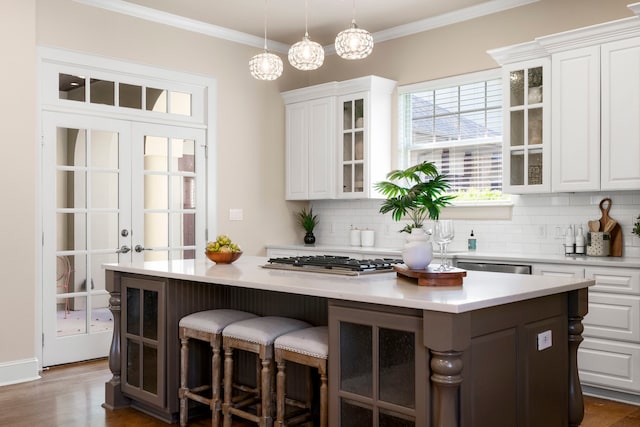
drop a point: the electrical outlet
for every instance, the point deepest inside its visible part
(544, 340)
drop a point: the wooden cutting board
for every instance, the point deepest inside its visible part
(616, 231)
(433, 277)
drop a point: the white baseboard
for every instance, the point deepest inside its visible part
(19, 371)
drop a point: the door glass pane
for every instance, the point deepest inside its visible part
(358, 184)
(359, 145)
(347, 147)
(133, 363)
(156, 230)
(359, 104)
(130, 96)
(517, 168)
(78, 273)
(517, 87)
(104, 190)
(517, 128)
(97, 272)
(133, 311)
(150, 315)
(70, 189)
(347, 109)
(535, 167)
(71, 147)
(535, 126)
(397, 367)
(71, 87)
(355, 414)
(156, 100)
(356, 358)
(155, 153)
(389, 419)
(70, 231)
(150, 369)
(184, 225)
(104, 230)
(101, 318)
(156, 192)
(181, 103)
(71, 316)
(347, 180)
(104, 149)
(186, 162)
(102, 92)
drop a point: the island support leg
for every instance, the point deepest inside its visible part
(578, 308)
(114, 399)
(446, 369)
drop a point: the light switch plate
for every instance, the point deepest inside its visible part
(544, 340)
(235, 214)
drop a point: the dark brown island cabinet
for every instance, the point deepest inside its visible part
(441, 357)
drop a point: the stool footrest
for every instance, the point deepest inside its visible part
(198, 398)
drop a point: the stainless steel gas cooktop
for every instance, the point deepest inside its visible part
(333, 264)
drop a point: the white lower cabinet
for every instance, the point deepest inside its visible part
(609, 356)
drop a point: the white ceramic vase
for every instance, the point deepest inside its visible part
(417, 252)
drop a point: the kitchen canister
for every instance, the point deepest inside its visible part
(367, 238)
(598, 243)
(354, 237)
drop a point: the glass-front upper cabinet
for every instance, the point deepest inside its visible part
(364, 135)
(527, 122)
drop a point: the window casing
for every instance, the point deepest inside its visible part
(456, 123)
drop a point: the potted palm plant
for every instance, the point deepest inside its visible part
(308, 222)
(636, 227)
(418, 192)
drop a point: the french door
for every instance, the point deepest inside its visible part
(113, 191)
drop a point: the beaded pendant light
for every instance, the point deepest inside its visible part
(354, 42)
(265, 65)
(306, 55)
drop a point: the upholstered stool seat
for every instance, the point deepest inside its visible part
(204, 326)
(308, 347)
(255, 336)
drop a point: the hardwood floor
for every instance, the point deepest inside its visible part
(72, 396)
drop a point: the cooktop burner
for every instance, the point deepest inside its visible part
(333, 264)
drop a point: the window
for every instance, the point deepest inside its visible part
(456, 123)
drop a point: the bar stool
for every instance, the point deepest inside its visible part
(308, 347)
(255, 336)
(204, 326)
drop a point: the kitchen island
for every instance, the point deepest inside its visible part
(498, 350)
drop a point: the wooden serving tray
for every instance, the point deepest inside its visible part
(432, 277)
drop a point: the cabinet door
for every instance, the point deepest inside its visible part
(526, 166)
(353, 145)
(576, 120)
(559, 270)
(621, 115)
(321, 173)
(297, 152)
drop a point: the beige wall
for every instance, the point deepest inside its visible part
(250, 119)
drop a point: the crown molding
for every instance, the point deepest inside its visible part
(518, 53)
(154, 15)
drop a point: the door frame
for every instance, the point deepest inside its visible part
(50, 62)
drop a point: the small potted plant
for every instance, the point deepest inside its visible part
(636, 227)
(308, 222)
(418, 192)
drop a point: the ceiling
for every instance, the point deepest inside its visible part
(385, 19)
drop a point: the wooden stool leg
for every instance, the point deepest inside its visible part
(281, 380)
(215, 383)
(228, 384)
(267, 394)
(324, 400)
(184, 369)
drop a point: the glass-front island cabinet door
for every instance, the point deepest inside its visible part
(526, 159)
(143, 330)
(378, 369)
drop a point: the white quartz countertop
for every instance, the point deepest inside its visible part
(502, 257)
(479, 290)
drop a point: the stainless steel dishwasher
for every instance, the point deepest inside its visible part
(496, 267)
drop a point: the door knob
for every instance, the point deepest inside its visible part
(140, 248)
(123, 249)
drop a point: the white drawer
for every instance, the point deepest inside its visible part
(609, 364)
(616, 280)
(560, 270)
(614, 317)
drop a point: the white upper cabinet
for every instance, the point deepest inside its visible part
(621, 115)
(338, 138)
(575, 125)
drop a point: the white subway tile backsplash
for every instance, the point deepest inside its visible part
(537, 225)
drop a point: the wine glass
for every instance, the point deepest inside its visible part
(443, 234)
